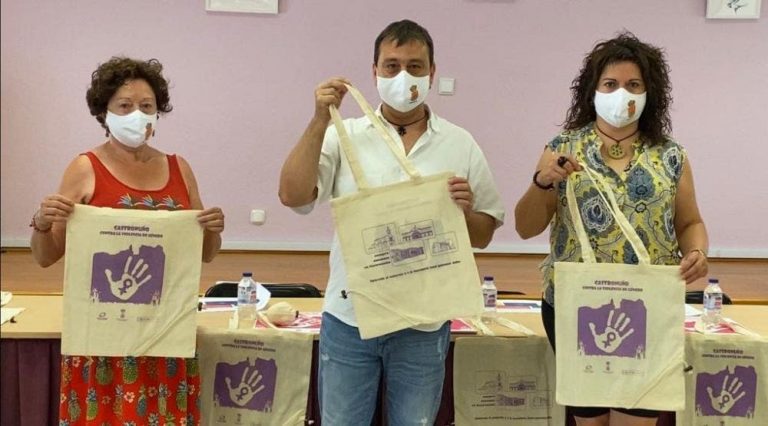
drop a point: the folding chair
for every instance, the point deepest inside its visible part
(229, 289)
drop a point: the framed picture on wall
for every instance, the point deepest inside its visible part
(242, 6)
(733, 9)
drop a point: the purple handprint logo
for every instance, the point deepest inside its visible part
(727, 394)
(246, 385)
(608, 330)
(126, 277)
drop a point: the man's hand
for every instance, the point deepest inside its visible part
(327, 93)
(461, 193)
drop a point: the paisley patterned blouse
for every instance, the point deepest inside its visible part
(645, 191)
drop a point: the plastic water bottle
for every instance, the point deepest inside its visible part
(489, 295)
(247, 299)
(713, 304)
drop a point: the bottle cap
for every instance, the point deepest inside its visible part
(247, 274)
(488, 278)
(714, 280)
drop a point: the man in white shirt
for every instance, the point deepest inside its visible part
(412, 361)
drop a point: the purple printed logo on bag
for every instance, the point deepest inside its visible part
(727, 394)
(126, 277)
(243, 385)
(608, 330)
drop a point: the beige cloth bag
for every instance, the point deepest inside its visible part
(502, 381)
(619, 328)
(406, 247)
(254, 376)
(131, 279)
(728, 381)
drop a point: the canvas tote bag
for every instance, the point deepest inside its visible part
(619, 327)
(131, 279)
(405, 246)
(502, 381)
(728, 381)
(254, 376)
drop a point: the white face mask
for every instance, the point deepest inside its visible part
(619, 108)
(403, 92)
(132, 129)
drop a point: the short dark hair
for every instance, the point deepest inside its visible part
(654, 123)
(403, 32)
(113, 74)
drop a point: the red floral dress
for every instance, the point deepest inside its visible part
(97, 390)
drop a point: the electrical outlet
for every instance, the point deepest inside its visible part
(258, 217)
(446, 85)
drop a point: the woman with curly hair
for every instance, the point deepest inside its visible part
(618, 124)
(127, 97)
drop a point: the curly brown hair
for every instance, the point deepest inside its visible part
(654, 123)
(113, 74)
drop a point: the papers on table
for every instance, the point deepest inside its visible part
(693, 324)
(306, 322)
(5, 297)
(7, 313)
(229, 304)
(218, 304)
(459, 325)
(519, 306)
(309, 322)
(690, 311)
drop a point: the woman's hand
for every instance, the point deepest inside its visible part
(694, 266)
(53, 208)
(212, 219)
(557, 169)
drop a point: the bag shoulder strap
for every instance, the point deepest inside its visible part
(346, 142)
(603, 189)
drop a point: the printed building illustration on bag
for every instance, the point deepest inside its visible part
(412, 253)
(608, 330)
(380, 238)
(448, 244)
(727, 393)
(509, 391)
(414, 241)
(128, 277)
(417, 231)
(246, 385)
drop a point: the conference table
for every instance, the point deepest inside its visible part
(30, 355)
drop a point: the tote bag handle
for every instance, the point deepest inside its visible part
(603, 189)
(346, 143)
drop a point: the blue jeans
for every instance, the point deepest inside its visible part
(412, 363)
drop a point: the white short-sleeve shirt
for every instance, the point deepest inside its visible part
(443, 147)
